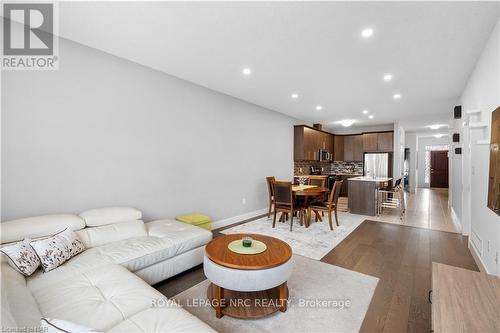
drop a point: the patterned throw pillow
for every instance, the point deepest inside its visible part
(22, 257)
(56, 250)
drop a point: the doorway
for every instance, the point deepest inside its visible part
(439, 169)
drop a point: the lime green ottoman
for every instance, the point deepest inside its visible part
(199, 220)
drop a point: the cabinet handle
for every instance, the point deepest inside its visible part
(430, 296)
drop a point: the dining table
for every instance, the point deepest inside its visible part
(308, 192)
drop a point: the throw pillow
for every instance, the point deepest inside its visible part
(56, 250)
(58, 325)
(22, 257)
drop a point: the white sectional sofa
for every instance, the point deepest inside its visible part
(106, 287)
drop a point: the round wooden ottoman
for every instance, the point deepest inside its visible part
(248, 285)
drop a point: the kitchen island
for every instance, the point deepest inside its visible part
(363, 194)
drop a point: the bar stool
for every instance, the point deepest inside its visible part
(392, 199)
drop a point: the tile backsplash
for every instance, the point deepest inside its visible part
(304, 168)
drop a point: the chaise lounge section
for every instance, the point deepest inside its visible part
(106, 287)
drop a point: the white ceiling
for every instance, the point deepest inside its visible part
(313, 49)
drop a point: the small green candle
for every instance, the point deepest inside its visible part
(247, 241)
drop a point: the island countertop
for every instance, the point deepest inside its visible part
(371, 179)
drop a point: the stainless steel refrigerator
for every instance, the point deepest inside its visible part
(377, 165)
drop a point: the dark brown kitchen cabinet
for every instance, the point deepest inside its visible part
(386, 141)
(370, 141)
(353, 148)
(308, 142)
(348, 148)
(378, 142)
(338, 148)
(344, 190)
(325, 141)
(358, 148)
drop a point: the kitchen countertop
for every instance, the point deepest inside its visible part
(371, 179)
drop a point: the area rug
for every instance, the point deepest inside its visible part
(313, 242)
(323, 298)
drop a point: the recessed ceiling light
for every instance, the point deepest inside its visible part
(364, 112)
(319, 108)
(246, 71)
(371, 116)
(396, 96)
(346, 122)
(387, 77)
(367, 33)
(439, 135)
(435, 126)
(295, 96)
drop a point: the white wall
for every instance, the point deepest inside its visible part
(456, 183)
(411, 143)
(422, 142)
(104, 131)
(483, 92)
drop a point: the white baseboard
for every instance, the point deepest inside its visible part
(456, 221)
(477, 259)
(239, 218)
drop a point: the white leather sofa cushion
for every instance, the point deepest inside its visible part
(170, 267)
(161, 320)
(41, 226)
(97, 236)
(110, 215)
(140, 252)
(99, 298)
(82, 263)
(19, 308)
(175, 230)
(54, 325)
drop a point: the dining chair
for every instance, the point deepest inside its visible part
(330, 205)
(270, 189)
(320, 182)
(284, 202)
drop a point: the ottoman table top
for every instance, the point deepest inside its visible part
(276, 254)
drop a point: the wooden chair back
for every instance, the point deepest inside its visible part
(283, 193)
(335, 193)
(320, 182)
(270, 189)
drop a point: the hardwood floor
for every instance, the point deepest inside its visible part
(401, 257)
(426, 208)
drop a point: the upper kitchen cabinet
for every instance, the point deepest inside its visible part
(358, 148)
(353, 147)
(370, 141)
(378, 142)
(308, 142)
(338, 148)
(386, 141)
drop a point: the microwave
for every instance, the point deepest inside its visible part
(325, 155)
